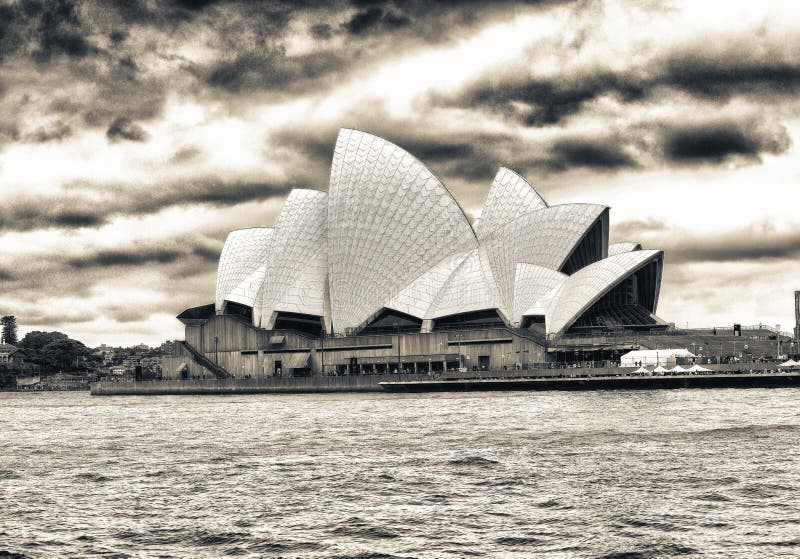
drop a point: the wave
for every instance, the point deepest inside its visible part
(8, 474)
(359, 528)
(670, 550)
(473, 461)
(368, 555)
(93, 476)
(518, 540)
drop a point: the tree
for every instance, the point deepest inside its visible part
(34, 342)
(65, 354)
(9, 329)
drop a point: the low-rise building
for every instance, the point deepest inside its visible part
(9, 354)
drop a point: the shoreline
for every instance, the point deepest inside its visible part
(423, 383)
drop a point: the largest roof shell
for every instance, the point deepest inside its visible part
(390, 220)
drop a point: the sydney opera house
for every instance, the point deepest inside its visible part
(384, 271)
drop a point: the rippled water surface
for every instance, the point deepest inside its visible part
(684, 473)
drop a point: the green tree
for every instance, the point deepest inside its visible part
(9, 329)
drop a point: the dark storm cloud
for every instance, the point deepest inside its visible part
(737, 247)
(539, 102)
(684, 247)
(45, 29)
(72, 211)
(604, 154)
(124, 128)
(546, 100)
(198, 250)
(728, 76)
(271, 71)
(129, 257)
(714, 142)
(375, 18)
(321, 31)
(26, 214)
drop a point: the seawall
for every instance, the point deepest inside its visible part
(742, 380)
(504, 380)
(270, 385)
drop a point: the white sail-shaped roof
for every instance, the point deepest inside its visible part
(534, 286)
(390, 220)
(468, 289)
(619, 248)
(587, 285)
(295, 275)
(417, 297)
(246, 292)
(544, 238)
(509, 197)
(244, 252)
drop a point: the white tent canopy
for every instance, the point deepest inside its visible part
(790, 363)
(698, 369)
(660, 369)
(641, 371)
(644, 357)
(677, 369)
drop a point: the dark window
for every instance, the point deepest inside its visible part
(237, 309)
(390, 320)
(478, 319)
(306, 323)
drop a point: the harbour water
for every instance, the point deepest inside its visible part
(617, 474)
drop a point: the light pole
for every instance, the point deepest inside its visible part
(322, 349)
(399, 363)
(216, 357)
(460, 361)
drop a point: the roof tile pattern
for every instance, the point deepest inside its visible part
(533, 287)
(416, 298)
(245, 251)
(246, 292)
(390, 221)
(509, 197)
(587, 285)
(619, 248)
(467, 289)
(295, 273)
(544, 237)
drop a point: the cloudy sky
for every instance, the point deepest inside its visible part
(135, 135)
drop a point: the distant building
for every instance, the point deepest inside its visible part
(9, 354)
(797, 315)
(130, 362)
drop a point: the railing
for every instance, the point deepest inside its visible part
(216, 369)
